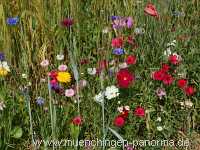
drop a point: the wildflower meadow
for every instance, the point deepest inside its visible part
(99, 74)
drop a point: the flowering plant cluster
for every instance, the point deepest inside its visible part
(76, 78)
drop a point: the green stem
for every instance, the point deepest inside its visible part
(30, 119)
(52, 112)
(103, 111)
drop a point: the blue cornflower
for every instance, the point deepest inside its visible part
(12, 20)
(118, 51)
(2, 56)
(40, 101)
(115, 17)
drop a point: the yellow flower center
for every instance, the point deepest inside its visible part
(3, 72)
(64, 77)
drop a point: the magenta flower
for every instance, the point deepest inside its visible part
(129, 22)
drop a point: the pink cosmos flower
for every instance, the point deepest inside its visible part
(69, 92)
(62, 68)
(44, 63)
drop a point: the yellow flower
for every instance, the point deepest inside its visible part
(3, 72)
(64, 77)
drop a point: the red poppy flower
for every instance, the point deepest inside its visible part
(124, 114)
(190, 90)
(139, 111)
(158, 75)
(165, 67)
(182, 83)
(150, 9)
(77, 121)
(117, 42)
(168, 79)
(119, 121)
(124, 78)
(131, 60)
(174, 59)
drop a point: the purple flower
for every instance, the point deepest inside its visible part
(118, 51)
(40, 101)
(12, 21)
(115, 17)
(129, 22)
(2, 56)
(160, 92)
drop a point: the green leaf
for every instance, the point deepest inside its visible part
(17, 132)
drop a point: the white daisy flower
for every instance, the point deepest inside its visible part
(91, 71)
(111, 92)
(60, 57)
(99, 97)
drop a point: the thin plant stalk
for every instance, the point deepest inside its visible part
(30, 119)
(52, 112)
(103, 111)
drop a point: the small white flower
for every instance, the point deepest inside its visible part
(60, 57)
(99, 97)
(127, 108)
(139, 31)
(111, 92)
(119, 102)
(2, 105)
(4, 65)
(24, 76)
(123, 65)
(159, 119)
(168, 52)
(188, 104)
(173, 43)
(120, 109)
(91, 71)
(159, 128)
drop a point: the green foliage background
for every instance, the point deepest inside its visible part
(39, 35)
